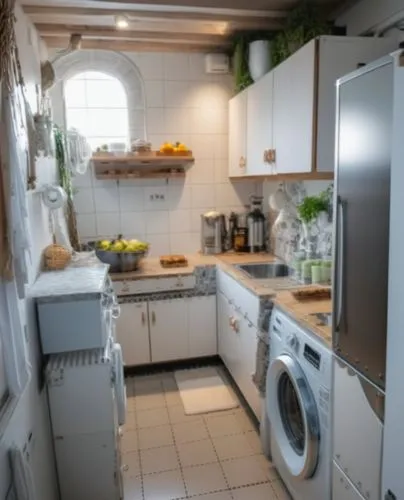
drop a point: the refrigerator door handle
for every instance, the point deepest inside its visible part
(340, 262)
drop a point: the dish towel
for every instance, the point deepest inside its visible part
(261, 364)
(262, 354)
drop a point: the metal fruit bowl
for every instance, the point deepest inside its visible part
(121, 262)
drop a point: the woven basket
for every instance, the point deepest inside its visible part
(56, 257)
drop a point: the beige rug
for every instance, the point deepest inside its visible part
(203, 390)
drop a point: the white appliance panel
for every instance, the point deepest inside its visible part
(358, 431)
(342, 487)
(88, 466)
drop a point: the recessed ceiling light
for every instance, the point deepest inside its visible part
(121, 22)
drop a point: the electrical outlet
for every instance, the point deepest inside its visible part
(157, 197)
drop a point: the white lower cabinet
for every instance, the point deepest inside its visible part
(132, 331)
(237, 340)
(202, 326)
(168, 329)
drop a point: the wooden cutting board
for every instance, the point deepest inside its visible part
(312, 293)
(170, 261)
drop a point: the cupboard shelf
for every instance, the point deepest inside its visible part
(135, 166)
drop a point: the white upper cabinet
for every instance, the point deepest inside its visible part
(238, 135)
(293, 111)
(290, 113)
(259, 125)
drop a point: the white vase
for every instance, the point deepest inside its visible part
(259, 58)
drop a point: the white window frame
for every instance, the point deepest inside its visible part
(118, 138)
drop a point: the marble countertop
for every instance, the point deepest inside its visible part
(301, 312)
(70, 281)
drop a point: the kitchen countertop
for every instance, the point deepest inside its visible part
(300, 311)
(150, 267)
(271, 288)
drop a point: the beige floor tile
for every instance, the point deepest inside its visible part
(130, 387)
(244, 471)
(235, 446)
(132, 488)
(131, 405)
(150, 401)
(129, 441)
(155, 437)
(268, 467)
(159, 459)
(177, 415)
(244, 420)
(220, 495)
(152, 418)
(173, 398)
(198, 453)
(163, 486)
(257, 492)
(223, 425)
(130, 422)
(204, 479)
(187, 432)
(255, 441)
(132, 463)
(148, 386)
(280, 490)
(169, 383)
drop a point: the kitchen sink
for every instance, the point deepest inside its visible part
(264, 271)
(323, 319)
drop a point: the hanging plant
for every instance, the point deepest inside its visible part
(65, 181)
(303, 24)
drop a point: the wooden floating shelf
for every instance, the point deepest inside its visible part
(142, 165)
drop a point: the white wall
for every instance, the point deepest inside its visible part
(183, 104)
(31, 414)
(368, 15)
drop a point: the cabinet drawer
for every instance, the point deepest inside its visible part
(245, 302)
(135, 287)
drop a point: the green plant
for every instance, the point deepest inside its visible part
(311, 206)
(302, 25)
(242, 77)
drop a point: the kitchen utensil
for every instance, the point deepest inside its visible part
(256, 225)
(121, 262)
(213, 233)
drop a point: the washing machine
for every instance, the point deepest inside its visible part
(298, 405)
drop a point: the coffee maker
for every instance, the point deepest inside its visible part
(213, 233)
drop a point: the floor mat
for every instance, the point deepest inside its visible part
(203, 390)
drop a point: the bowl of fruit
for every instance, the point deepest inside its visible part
(122, 255)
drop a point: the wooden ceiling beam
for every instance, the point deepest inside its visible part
(103, 32)
(59, 42)
(243, 22)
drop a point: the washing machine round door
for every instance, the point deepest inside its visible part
(293, 415)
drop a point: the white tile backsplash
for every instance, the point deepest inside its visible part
(157, 222)
(108, 224)
(183, 103)
(106, 198)
(131, 199)
(84, 200)
(133, 225)
(180, 221)
(203, 196)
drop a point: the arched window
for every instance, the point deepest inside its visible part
(96, 105)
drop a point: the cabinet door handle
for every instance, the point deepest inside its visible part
(143, 318)
(242, 162)
(153, 317)
(273, 155)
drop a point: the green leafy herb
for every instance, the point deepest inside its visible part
(311, 206)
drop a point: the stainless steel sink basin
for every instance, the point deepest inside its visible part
(264, 271)
(323, 319)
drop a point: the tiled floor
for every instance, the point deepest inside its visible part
(169, 455)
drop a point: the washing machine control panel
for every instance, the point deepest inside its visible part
(312, 356)
(293, 341)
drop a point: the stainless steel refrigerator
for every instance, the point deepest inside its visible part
(361, 267)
